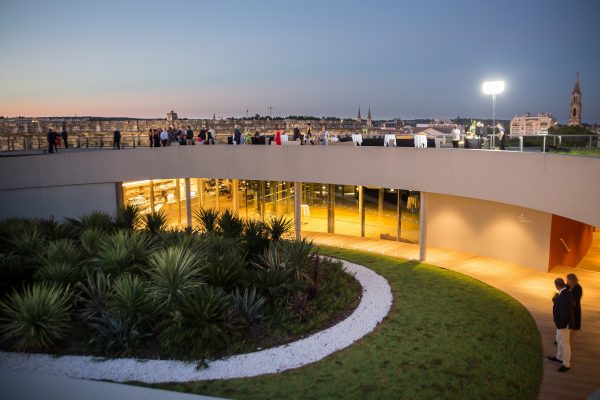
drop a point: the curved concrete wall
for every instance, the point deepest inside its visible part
(563, 185)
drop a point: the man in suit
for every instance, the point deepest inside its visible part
(563, 319)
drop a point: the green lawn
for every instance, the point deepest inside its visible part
(584, 152)
(447, 337)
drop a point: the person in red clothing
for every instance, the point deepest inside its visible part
(277, 135)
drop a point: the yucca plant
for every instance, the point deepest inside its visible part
(198, 322)
(131, 299)
(279, 226)
(208, 218)
(230, 224)
(297, 258)
(94, 295)
(90, 240)
(128, 217)
(124, 251)
(249, 306)
(255, 237)
(28, 245)
(271, 274)
(96, 219)
(63, 250)
(226, 268)
(155, 222)
(189, 239)
(59, 272)
(35, 318)
(173, 273)
(54, 230)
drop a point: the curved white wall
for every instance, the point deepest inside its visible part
(564, 185)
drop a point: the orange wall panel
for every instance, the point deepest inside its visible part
(576, 235)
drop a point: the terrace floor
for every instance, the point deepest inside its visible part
(534, 289)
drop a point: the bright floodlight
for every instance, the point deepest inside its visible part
(493, 87)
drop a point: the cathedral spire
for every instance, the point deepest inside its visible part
(575, 107)
(358, 117)
(369, 119)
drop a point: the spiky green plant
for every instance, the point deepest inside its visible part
(226, 268)
(131, 299)
(297, 258)
(94, 295)
(28, 245)
(249, 306)
(198, 322)
(124, 251)
(279, 226)
(96, 219)
(271, 272)
(35, 318)
(90, 240)
(255, 237)
(174, 271)
(114, 335)
(128, 217)
(230, 224)
(155, 222)
(63, 250)
(208, 218)
(59, 272)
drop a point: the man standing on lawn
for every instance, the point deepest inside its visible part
(563, 319)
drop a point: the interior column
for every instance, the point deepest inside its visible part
(236, 195)
(361, 209)
(188, 202)
(330, 208)
(423, 227)
(297, 208)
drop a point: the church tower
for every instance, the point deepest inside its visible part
(358, 117)
(369, 119)
(575, 108)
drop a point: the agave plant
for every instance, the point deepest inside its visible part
(35, 318)
(198, 322)
(174, 272)
(115, 335)
(155, 222)
(230, 224)
(277, 227)
(208, 218)
(249, 306)
(128, 217)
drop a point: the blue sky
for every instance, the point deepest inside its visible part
(404, 58)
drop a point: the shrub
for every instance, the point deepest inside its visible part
(59, 272)
(63, 251)
(198, 322)
(271, 274)
(90, 240)
(35, 318)
(208, 218)
(155, 222)
(174, 272)
(225, 268)
(299, 306)
(94, 295)
(123, 251)
(12, 273)
(297, 258)
(249, 306)
(131, 300)
(113, 334)
(255, 238)
(96, 219)
(28, 245)
(277, 227)
(230, 224)
(128, 217)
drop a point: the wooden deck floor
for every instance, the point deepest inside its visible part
(534, 289)
(591, 261)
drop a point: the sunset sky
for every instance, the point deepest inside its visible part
(405, 59)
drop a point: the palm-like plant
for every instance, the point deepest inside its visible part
(277, 227)
(28, 245)
(90, 240)
(96, 219)
(128, 217)
(131, 300)
(62, 250)
(230, 224)
(271, 273)
(226, 268)
(297, 258)
(124, 251)
(174, 271)
(155, 222)
(208, 218)
(255, 237)
(94, 295)
(36, 318)
(198, 322)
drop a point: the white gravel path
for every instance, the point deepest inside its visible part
(374, 306)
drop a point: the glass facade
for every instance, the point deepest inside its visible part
(360, 211)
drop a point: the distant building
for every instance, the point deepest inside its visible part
(526, 125)
(171, 116)
(575, 107)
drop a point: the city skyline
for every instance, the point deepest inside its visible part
(419, 61)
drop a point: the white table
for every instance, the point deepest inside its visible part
(389, 140)
(357, 138)
(305, 210)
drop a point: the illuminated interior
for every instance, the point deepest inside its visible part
(391, 214)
